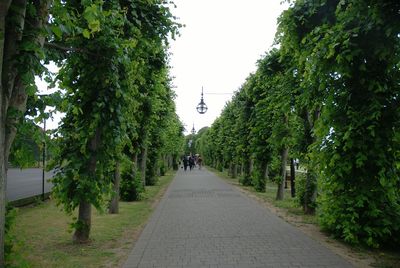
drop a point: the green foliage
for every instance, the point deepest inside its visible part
(329, 94)
(9, 240)
(131, 185)
(355, 82)
(117, 95)
(26, 149)
(162, 168)
(304, 189)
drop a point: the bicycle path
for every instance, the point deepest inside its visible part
(203, 221)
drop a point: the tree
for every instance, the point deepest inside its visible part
(21, 39)
(348, 52)
(123, 52)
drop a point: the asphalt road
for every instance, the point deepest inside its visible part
(23, 183)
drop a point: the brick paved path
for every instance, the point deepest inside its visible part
(204, 222)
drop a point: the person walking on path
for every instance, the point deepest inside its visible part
(199, 161)
(202, 221)
(185, 162)
(191, 162)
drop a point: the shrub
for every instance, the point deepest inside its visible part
(11, 214)
(131, 186)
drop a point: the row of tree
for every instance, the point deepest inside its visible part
(116, 95)
(328, 94)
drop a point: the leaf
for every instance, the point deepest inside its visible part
(56, 30)
(86, 33)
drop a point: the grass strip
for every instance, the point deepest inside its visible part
(43, 238)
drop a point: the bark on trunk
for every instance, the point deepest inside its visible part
(311, 188)
(114, 204)
(234, 171)
(251, 166)
(292, 178)
(266, 173)
(310, 194)
(82, 230)
(135, 164)
(4, 7)
(281, 185)
(142, 165)
(12, 90)
(3, 186)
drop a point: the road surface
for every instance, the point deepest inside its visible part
(23, 183)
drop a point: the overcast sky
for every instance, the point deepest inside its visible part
(218, 49)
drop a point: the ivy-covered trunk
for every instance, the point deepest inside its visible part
(281, 185)
(142, 164)
(259, 175)
(310, 192)
(292, 178)
(246, 175)
(83, 224)
(234, 170)
(114, 203)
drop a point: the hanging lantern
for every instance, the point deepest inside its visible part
(201, 107)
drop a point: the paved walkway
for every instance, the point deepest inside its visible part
(204, 222)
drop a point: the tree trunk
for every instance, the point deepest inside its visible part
(3, 184)
(82, 230)
(292, 178)
(12, 90)
(114, 208)
(134, 164)
(311, 188)
(251, 166)
(310, 194)
(281, 185)
(142, 164)
(266, 173)
(234, 171)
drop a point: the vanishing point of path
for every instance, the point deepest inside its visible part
(203, 221)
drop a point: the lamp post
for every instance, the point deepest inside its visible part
(44, 156)
(201, 107)
(44, 148)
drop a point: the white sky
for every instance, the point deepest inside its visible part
(218, 49)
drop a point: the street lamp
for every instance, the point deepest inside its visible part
(201, 107)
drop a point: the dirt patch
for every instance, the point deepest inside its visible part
(126, 244)
(355, 257)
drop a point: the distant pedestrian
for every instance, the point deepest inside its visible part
(199, 161)
(191, 162)
(185, 162)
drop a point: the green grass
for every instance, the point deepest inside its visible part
(43, 238)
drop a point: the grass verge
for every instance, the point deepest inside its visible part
(42, 237)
